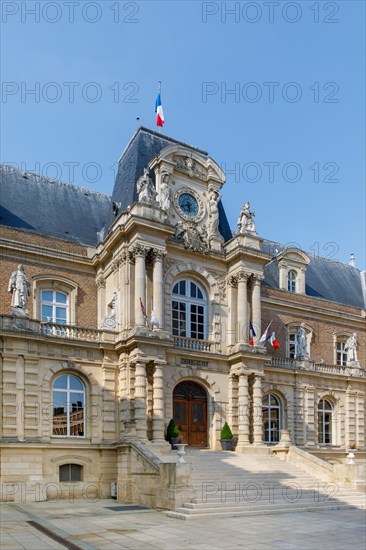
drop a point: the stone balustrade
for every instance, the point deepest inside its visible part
(192, 344)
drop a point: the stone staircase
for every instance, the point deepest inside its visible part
(233, 484)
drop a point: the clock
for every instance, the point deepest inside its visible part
(188, 204)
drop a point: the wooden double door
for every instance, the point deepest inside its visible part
(190, 413)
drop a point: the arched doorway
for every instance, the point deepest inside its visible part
(190, 413)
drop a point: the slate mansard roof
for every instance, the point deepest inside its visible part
(65, 211)
(327, 279)
(50, 207)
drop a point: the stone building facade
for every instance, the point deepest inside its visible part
(146, 306)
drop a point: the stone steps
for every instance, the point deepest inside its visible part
(234, 484)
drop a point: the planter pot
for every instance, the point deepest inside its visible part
(228, 444)
(174, 442)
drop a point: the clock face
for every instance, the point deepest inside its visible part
(188, 204)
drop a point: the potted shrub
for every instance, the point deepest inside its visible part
(172, 433)
(228, 443)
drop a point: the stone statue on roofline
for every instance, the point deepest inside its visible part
(246, 221)
(145, 188)
(19, 289)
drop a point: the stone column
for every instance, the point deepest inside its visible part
(233, 402)
(140, 401)
(256, 306)
(243, 412)
(140, 283)
(100, 284)
(158, 403)
(257, 410)
(232, 284)
(158, 286)
(243, 307)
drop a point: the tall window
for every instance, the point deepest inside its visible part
(70, 472)
(271, 411)
(68, 406)
(292, 345)
(340, 351)
(54, 307)
(188, 310)
(325, 411)
(291, 281)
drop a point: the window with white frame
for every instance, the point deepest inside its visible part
(292, 344)
(54, 307)
(291, 281)
(271, 411)
(325, 418)
(189, 310)
(341, 354)
(68, 406)
(55, 300)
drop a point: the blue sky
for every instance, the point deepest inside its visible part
(291, 134)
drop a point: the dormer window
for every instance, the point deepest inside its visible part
(291, 281)
(292, 264)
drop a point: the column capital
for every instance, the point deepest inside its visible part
(100, 281)
(158, 254)
(243, 276)
(257, 279)
(232, 281)
(139, 250)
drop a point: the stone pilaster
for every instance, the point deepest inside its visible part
(158, 286)
(140, 401)
(232, 284)
(243, 409)
(257, 410)
(158, 403)
(243, 307)
(139, 252)
(233, 403)
(256, 306)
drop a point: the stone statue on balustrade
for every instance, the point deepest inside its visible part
(145, 188)
(301, 343)
(19, 289)
(246, 221)
(351, 349)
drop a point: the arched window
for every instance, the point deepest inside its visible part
(68, 406)
(189, 307)
(291, 281)
(271, 411)
(325, 414)
(70, 472)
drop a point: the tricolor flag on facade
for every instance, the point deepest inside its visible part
(143, 310)
(159, 111)
(263, 338)
(272, 340)
(252, 334)
(154, 320)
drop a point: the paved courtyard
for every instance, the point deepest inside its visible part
(90, 525)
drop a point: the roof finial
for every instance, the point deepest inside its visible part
(352, 260)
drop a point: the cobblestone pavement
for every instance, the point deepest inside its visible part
(90, 525)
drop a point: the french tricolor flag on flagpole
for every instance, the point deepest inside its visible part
(159, 111)
(252, 334)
